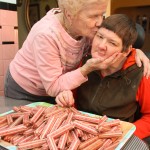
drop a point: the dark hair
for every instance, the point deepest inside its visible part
(123, 26)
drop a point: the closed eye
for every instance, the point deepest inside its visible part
(100, 36)
(112, 43)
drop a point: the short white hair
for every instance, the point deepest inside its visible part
(74, 6)
(71, 5)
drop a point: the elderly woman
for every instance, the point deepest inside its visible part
(49, 59)
(122, 94)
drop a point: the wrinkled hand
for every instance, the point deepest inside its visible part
(141, 58)
(97, 64)
(65, 99)
(114, 62)
(118, 62)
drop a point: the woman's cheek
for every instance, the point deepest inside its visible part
(95, 55)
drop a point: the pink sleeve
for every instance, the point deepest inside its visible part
(143, 96)
(47, 58)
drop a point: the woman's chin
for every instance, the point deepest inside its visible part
(96, 54)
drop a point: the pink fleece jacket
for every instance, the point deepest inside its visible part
(46, 63)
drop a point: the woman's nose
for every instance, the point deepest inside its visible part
(102, 44)
(99, 21)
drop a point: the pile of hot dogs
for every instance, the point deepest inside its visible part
(56, 128)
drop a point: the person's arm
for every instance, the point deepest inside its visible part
(143, 97)
(92, 64)
(142, 58)
(115, 62)
(48, 62)
(47, 55)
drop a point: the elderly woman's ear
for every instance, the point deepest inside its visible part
(68, 15)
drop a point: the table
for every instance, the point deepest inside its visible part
(7, 104)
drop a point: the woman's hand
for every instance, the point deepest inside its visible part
(97, 64)
(114, 62)
(118, 62)
(65, 99)
(141, 58)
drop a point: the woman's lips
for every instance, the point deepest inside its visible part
(101, 54)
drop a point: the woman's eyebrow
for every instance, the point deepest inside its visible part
(114, 41)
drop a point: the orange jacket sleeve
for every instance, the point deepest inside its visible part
(143, 97)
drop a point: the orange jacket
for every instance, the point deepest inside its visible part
(143, 98)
